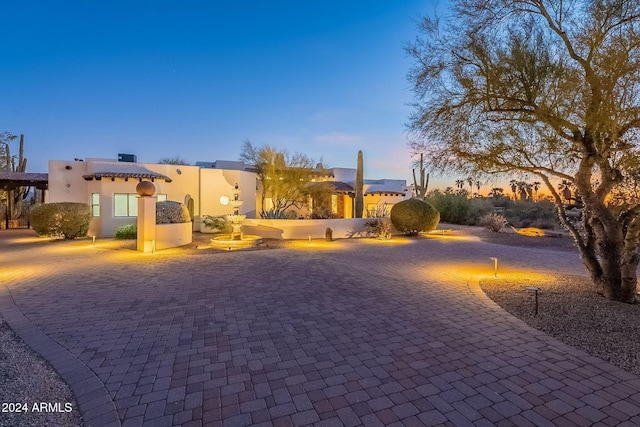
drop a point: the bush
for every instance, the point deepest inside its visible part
(493, 221)
(169, 212)
(526, 213)
(321, 212)
(65, 219)
(454, 208)
(377, 228)
(413, 215)
(217, 223)
(126, 232)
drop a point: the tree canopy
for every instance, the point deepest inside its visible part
(284, 177)
(545, 87)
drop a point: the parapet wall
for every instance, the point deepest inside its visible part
(303, 228)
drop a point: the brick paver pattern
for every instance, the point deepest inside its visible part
(365, 333)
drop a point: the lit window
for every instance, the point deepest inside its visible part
(125, 204)
(95, 204)
(162, 197)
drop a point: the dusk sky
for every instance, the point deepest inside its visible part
(195, 79)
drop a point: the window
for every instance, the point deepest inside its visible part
(95, 204)
(161, 197)
(125, 204)
(334, 203)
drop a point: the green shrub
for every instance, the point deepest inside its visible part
(126, 232)
(526, 213)
(169, 212)
(454, 208)
(65, 219)
(413, 216)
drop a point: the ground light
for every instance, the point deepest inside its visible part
(495, 266)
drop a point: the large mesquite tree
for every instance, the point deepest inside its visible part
(549, 88)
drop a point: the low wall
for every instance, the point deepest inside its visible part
(172, 235)
(303, 228)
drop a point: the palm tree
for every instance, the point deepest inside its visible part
(496, 192)
(536, 187)
(459, 184)
(514, 188)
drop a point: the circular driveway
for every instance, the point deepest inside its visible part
(349, 333)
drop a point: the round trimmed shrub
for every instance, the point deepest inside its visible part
(169, 212)
(64, 219)
(413, 216)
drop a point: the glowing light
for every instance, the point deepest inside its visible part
(495, 266)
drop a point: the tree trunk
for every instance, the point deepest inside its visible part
(609, 250)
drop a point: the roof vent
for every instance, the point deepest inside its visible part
(130, 158)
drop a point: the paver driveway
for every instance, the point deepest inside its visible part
(356, 333)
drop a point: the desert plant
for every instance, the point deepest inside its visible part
(321, 212)
(359, 196)
(413, 216)
(526, 213)
(493, 221)
(377, 228)
(454, 208)
(217, 223)
(126, 232)
(169, 212)
(65, 219)
(421, 187)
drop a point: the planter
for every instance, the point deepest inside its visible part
(172, 235)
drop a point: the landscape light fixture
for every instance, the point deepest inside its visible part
(495, 266)
(535, 291)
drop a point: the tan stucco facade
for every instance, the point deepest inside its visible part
(198, 188)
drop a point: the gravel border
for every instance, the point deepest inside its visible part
(26, 378)
(571, 311)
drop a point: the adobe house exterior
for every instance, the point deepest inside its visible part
(109, 186)
(378, 193)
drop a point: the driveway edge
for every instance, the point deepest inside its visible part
(94, 401)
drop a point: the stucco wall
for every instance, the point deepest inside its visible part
(302, 229)
(215, 183)
(173, 235)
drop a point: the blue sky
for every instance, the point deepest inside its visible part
(196, 79)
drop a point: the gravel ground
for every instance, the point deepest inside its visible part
(571, 311)
(568, 307)
(27, 380)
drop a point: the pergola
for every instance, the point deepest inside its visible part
(11, 180)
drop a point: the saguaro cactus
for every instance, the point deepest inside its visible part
(359, 205)
(16, 195)
(421, 188)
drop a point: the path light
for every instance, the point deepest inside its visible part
(535, 291)
(153, 246)
(495, 266)
(94, 241)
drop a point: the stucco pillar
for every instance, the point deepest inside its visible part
(146, 216)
